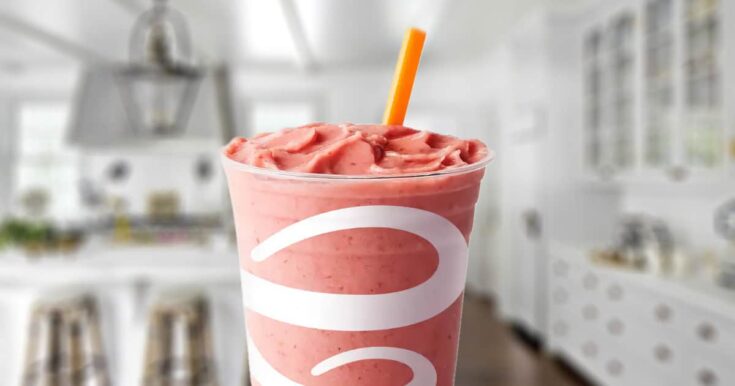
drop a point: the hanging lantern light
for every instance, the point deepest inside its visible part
(160, 83)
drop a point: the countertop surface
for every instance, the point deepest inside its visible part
(100, 261)
(692, 289)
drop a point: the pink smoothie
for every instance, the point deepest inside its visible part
(279, 179)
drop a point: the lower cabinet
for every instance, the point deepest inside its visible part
(124, 332)
(621, 328)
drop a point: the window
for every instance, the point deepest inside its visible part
(265, 31)
(47, 165)
(268, 116)
(433, 120)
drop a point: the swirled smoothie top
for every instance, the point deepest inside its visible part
(348, 149)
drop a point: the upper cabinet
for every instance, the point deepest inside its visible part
(703, 131)
(610, 61)
(609, 57)
(622, 87)
(593, 67)
(660, 70)
(654, 101)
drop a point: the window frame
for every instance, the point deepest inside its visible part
(316, 99)
(15, 104)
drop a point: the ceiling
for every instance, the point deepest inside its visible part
(309, 33)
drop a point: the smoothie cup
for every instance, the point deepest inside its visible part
(352, 280)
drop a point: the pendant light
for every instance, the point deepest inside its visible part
(160, 83)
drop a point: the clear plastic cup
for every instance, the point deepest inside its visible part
(353, 280)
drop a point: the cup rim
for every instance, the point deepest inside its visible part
(229, 163)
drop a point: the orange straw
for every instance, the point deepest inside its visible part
(408, 63)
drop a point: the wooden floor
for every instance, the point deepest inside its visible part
(490, 354)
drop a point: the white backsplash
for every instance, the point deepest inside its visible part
(689, 210)
(153, 172)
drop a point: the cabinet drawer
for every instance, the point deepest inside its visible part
(627, 332)
(616, 358)
(610, 363)
(710, 342)
(648, 352)
(705, 371)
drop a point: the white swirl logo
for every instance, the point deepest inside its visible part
(340, 312)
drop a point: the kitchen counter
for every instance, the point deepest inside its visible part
(99, 261)
(623, 327)
(126, 280)
(692, 290)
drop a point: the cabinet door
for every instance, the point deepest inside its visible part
(709, 337)
(610, 58)
(660, 123)
(703, 124)
(622, 104)
(595, 323)
(671, 115)
(593, 97)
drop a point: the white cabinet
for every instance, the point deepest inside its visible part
(637, 330)
(703, 132)
(659, 73)
(654, 101)
(125, 284)
(540, 197)
(611, 59)
(525, 136)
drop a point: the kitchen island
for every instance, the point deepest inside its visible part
(127, 283)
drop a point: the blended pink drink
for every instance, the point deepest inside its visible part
(353, 250)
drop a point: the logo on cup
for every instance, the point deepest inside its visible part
(356, 312)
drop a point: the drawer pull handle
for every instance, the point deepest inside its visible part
(707, 377)
(590, 282)
(589, 350)
(615, 327)
(560, 296)
(615, 292)
(663, 313)
(707, 332)
(560, 268)
(615, 367)
(590, 312)
(663, 353)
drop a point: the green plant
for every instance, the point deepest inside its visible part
(21, 232)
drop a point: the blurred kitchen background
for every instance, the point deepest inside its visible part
(604, 246)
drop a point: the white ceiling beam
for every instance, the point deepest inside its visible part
(296, 29)
(50, 39)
